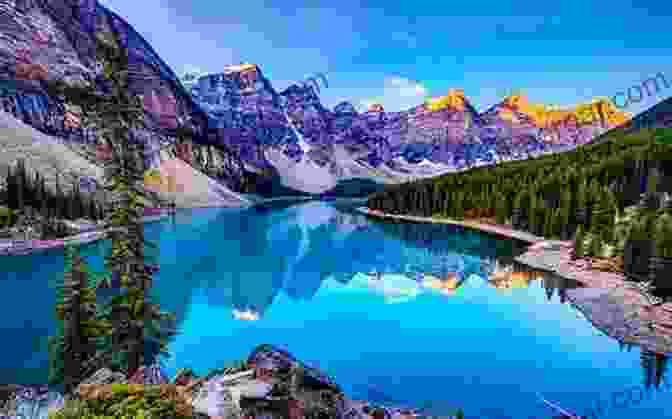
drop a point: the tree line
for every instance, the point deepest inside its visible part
(24, 190)
(580, 195)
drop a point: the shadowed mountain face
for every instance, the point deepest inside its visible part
(46, 40)
(288, 136)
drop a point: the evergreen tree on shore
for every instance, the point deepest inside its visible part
(578, 250)
(20, 185)
(77, 311)
(516, 210)
(500, 209)
(564, 211)
(118, 116)
(582, 203)
(533, 213)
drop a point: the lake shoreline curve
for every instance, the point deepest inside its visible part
(615, 306)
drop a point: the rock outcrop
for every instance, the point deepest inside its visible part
(52, 157)
(274, 384)
(271, 383)
(46, 40)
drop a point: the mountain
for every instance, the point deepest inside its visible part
(657, 116)
(43, 40)
(52, 157)
(252, 138)
(42, 153)
(314, 149)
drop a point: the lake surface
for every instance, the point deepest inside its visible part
(304, 277)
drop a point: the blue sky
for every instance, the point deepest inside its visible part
(400, 53)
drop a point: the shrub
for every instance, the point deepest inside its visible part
(664, 236)
(7, 217)
(73, 409)
(127, 401)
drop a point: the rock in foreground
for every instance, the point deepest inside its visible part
(270, 384)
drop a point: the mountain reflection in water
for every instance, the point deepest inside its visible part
(300, 249)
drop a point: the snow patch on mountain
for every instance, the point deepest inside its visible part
(304, 175)
(302, 141)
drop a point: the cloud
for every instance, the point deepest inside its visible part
(398, 93)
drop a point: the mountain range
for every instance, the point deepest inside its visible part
(253, 138)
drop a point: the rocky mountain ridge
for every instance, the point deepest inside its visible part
(293, 134)
(250, 136)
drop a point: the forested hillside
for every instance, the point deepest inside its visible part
(611, 196)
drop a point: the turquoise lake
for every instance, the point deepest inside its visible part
(302, 276)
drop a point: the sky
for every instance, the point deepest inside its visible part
(401, 54)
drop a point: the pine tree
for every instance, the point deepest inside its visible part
(437, 201)
(609, 211)
(77, 310)
(579, 243)
(564, 213)
(38, 193)
(548, 223)
(58, 199)
(581, 203)
(636, 251)
(11, 188)
(516, 210)
(500, 209)
(119, 116)
(75, 201)
(652, 182)
(458, 207)
(70, 206)
(79, 201)
(596, 245)
(663, 236)
(20, 186)
(593, 195)
(91, 212)
(554, 223)
(533, 213)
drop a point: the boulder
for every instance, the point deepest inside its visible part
(29, 401)
(151, 374)
(104, 376)
(276, 385)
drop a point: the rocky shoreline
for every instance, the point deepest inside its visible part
(270, 384)
(619, 308)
